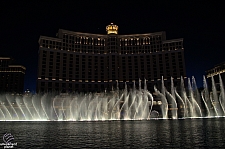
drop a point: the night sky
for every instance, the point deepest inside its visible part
(201, 24)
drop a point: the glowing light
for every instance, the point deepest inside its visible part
(112, 29)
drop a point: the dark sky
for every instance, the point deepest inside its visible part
(200, 23)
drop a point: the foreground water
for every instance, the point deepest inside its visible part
(182, 133)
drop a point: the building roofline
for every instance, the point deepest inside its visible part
(17, 66)
(72, 32)
(220, 64)
(49, 38)
(145, 34)
(173, 40)
(5, 58)
(215, 67)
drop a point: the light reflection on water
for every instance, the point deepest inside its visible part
(188, 133)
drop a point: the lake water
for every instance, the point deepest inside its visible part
(183, 133)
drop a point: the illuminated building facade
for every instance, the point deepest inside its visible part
(86, 62)
(11, 76)
(217, 70)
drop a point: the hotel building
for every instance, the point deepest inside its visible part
(84, 62)
(11, 76)
(214, 72)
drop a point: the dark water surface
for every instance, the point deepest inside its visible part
(188, 133)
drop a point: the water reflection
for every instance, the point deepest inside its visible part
(188, 133)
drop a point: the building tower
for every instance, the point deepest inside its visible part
(11, 76)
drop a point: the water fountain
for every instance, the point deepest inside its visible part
(135, 104)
